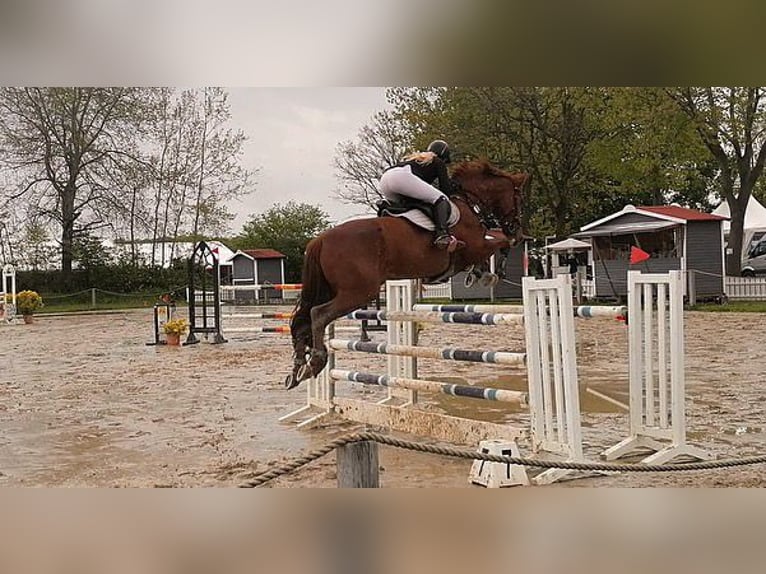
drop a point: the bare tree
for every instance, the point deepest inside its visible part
(359, 164)
(731, 123)
(59, 143)
(218, 175)
(195, 159)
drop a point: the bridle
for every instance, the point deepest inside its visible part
(486, 216)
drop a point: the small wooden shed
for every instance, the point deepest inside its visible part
(258, 267)
(674, 237)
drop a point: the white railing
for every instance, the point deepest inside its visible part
(745, 288)
(440, 291)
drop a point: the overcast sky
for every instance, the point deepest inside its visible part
(292, 136)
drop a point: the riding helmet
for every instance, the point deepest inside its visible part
(441, 149)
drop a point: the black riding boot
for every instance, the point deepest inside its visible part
(441, 211)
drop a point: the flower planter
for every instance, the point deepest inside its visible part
(173, 339)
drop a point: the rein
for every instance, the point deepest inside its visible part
(485, 215)
(478, 208)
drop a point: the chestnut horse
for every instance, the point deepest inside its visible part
(345, 266)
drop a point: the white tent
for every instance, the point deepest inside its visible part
(569, 244)
(755, 222)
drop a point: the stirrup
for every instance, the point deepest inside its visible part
(448, 242)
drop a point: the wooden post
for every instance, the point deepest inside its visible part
(93, 298)
(579, 278)
(358, 465)
(692, 286)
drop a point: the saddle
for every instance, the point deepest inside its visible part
(417, 212)
(386, 207)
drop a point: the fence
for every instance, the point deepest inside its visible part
(745, 288)
(439, 291)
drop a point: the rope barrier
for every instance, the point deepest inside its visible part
(453, 452)
(66, 296)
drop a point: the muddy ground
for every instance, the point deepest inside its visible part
(85, 402)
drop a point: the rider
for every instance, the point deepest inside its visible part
(413, 177)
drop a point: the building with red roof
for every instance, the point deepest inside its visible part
(259, 268)
(674, 237)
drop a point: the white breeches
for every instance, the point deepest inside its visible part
(400, 181)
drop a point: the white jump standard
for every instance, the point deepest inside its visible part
(657, 389)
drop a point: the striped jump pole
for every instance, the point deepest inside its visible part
(257, 315)
(258, 286)
(447, 353)
(512, 309)
(584, 311)
(437, 317)
(599, 312)
(483, 393)
(285, 287)
(277, 329)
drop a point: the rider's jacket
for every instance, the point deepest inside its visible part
(436, 169)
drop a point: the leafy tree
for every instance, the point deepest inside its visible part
(37, 251)
(90, 252)
(650, 153)
(545, 131)
(286, 228)
(590, 150)
(731, 124)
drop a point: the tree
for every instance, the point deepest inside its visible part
(195, 164)
(288, 229)
(731, 124)
(37, 250)
(590, 150)
(359, 164)
(217, 175)
(60, 143)
(650, 153)
(545, 131)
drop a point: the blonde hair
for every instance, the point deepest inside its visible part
(422, 157)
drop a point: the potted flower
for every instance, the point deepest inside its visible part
(173, 330)
(27, 302)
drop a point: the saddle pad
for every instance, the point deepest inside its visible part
(422, 220)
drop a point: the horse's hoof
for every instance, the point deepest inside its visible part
(291, 381)
(304, 373)
(317, 362)
(488, 280)
(470, 279)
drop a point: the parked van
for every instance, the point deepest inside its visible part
(755, 261)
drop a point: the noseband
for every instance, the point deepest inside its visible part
(486, 216)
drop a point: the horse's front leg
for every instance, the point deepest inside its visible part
(491, 246)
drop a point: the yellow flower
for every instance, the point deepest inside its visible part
(177, 326)
(27, 302)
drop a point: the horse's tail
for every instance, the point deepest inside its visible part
(315, 290)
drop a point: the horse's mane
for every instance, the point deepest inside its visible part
(480, 167)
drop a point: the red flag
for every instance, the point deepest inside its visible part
(638, 255)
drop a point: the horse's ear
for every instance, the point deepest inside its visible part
(523, 180)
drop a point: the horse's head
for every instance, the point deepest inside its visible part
(495, 191)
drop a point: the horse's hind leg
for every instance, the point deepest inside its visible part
(302, 336)
(323, 315)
